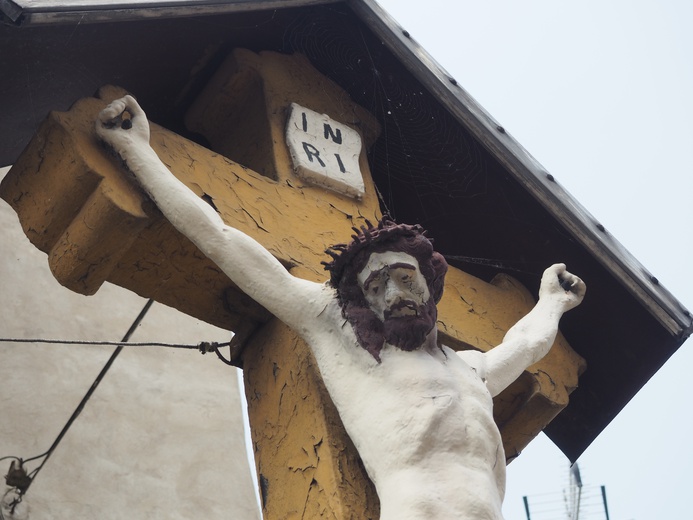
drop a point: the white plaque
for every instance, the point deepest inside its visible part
(324, 151)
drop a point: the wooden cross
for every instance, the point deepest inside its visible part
(80, 206)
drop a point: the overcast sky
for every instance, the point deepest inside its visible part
(599, 92)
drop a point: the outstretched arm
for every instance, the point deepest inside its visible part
(531, 338)
(124, 126)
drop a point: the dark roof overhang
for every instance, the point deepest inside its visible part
(441, 161)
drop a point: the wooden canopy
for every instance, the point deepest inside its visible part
(441, 160)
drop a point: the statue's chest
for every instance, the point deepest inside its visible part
(422, 371)
(418, 399)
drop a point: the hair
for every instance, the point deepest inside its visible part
(349, 259)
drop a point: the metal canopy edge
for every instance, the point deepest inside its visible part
(46, 12)
(584, 227)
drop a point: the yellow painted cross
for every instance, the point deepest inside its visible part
(281, 173)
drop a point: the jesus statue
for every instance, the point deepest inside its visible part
(419, 413)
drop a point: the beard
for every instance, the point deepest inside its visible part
(405, 332)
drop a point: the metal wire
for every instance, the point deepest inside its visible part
(203, 347)
(106, 343)
(88, 395)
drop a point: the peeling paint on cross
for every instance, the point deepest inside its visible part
(76, 204)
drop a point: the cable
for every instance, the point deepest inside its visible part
(89, 393)
(199, 346)
(203, 347)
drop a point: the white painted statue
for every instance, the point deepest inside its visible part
(419, 415)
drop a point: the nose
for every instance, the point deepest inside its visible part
(393, 292)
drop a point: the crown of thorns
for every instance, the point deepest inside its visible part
(365, 237)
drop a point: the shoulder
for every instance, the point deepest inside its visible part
(315, 305)
(474, 359)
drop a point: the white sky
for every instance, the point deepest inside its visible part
(600, 93)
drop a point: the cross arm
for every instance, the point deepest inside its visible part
(123, 125)
(531, 338)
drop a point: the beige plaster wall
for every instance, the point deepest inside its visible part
(162, 437)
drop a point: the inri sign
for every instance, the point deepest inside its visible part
(324, 151)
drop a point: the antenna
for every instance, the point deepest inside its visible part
(575, 502)
(574, 493)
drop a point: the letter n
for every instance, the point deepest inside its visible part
(329, 133)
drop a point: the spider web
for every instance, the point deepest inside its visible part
(421, 150)
(427, 166)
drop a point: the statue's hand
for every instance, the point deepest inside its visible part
(561, 287)
(123, 125)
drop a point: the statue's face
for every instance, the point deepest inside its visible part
(393, 285)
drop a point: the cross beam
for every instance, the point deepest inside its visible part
(79, 205)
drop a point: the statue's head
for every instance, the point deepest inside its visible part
(388, 280)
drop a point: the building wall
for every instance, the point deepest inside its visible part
(161, 438)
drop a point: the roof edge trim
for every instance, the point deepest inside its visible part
(587, 230)
(10, 11)
(53, 12)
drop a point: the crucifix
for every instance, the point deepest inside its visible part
(300, 183)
